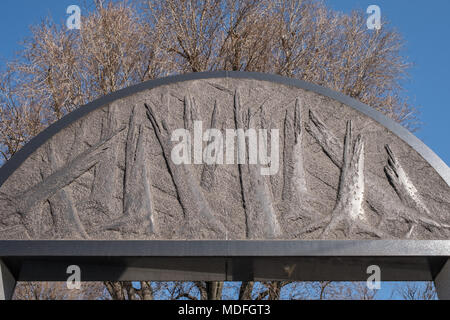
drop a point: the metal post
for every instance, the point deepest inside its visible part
(7, 283)
(442, 282)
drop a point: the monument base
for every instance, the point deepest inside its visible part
(227, 260)
(442, 282)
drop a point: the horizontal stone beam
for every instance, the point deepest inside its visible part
(442, 282)
(221, 248)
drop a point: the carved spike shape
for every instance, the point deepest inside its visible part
(409, 195)
(208, 172)
(15, 232)
(402, 184)
(349, 210)
(294, 173)
(190, 112)
(261, 218)
(189, 192)
(137, 199)
(351, 186)
(333, 147)
(106, 171)
(69, 222)
(326, 139)
(63, 176)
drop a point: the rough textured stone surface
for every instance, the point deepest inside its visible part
(110, 175)
(7, 283)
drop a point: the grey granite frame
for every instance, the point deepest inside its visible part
(345, 260)
(10, 166)
(225, 260)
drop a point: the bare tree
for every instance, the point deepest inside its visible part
(58, 71)
(328, 290)
(296, 38)
(129, 291)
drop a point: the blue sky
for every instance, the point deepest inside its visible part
(425, 26)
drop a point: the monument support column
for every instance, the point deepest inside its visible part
(7, 282)
(442, 282)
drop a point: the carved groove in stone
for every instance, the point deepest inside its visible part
(293, 171)
(295, 191)
(409, 196)
(190, 112)
(31, 199)
(333, 147)
(105, 174)
(77, 185)
(196, 208)
(348, 215)
(351, 185)
(138, 206)
(402, 185)
(261, 218)
(326, 139)
(15, 232)
(68, 223)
